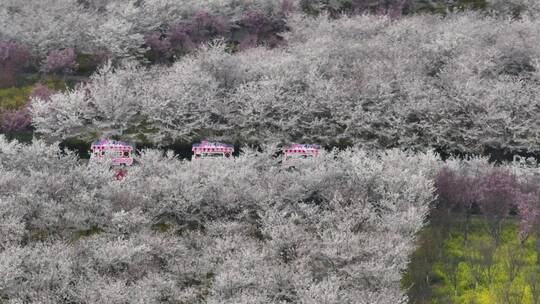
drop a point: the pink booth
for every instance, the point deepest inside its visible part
(207, 149)
(299, 151)
(119, 152)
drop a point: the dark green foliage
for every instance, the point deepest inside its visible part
(287, 252)
(161, 227)
(79, 234)
(444, 7)
(516, 64)
(258, 234)
(81, 147)
(471, 4)
(321, 266)
(88, 63)
(23, 136)
(190, 225)
(337, 8)
(38, 235)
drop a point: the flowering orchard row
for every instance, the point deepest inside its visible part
(396, 8)
(482, 243)
(464, 84)
(494, 192)
(162, 45)
(56, 29)
(54, 32)
(337, 230)
(25, 53)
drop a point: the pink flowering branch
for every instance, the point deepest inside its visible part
(16, 120)
(61, 62)
(14, 58)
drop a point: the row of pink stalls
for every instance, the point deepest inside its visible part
(120, 153)
(207, 149)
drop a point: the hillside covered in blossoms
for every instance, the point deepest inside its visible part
(271, 151)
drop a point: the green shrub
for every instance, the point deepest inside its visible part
(161, 227)
(87, 63)
(54, 83)
(14, 98)
(94, 230)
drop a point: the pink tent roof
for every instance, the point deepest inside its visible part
(216, 147)
(302, 149)
(106, 144)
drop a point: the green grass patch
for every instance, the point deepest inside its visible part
(54, 83)
(205, 289)
(38, 235)
(463, 263)
(79, 234)
(161, 227)
(21, 136)
(14, 98)
(141, 131)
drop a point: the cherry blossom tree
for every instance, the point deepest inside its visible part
(14, 57)
(497, 195)
(62, 62)
(41, 92)
(16, 120)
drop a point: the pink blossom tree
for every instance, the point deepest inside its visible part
(42, 92)
(261, 29)
(456, 192)
(160, 47)
(16, 120)
(205, 26)
(14, 57)
(60, 62)
(180, 38)
(497, 194)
